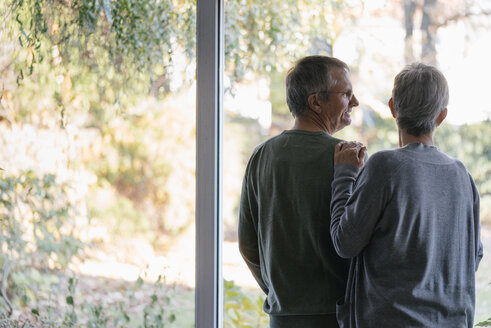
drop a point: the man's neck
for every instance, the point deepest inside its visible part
(405, 138)
(310, 121)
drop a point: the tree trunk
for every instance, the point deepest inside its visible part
(409, 9)
(428, 30)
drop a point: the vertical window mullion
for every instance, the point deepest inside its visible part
(209, 131)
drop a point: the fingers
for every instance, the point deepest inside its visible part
(350, 152)
(338, 147)
(362, 155)
(349, 145)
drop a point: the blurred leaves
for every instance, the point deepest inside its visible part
(143, 305)
(147, 157)
(471, 144)
(114, 50)
(264, 36)
(242, 310)
(37, 230)
(485, 323)
(37, 226)
(109, 51)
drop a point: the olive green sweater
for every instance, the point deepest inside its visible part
(284, 224)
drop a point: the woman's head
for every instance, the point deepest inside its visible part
(419, 95)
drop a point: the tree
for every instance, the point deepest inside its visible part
(435, 14)
(114, 49)
(101, 49)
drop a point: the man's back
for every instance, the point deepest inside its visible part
(284, 224)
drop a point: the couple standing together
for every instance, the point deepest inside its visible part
(336, 240)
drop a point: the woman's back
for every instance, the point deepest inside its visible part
(413, 222)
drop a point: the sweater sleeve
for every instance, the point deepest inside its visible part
(247, 233)
(357, 203)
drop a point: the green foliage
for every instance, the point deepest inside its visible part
(134, 163)
(471, 144)
(242, 310)
(133, 35)
(130, 164)
(121, 216)
(36, 226)
(10, 323)
(154, 313)
(92, 58)
(107, 51)
(257, 33)
(78, 313)
(485, 323)
(278, 97)
(36, 230)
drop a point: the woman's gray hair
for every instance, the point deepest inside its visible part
(419, 95)
(310, 75)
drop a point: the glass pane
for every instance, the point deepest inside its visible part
(97, 112)
(264, 39)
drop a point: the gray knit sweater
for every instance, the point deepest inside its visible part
(410, 223)
(284, 224)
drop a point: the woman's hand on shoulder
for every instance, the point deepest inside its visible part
(350, 152)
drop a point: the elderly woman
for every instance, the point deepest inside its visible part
(409, 220)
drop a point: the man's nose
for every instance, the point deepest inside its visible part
(354, 101)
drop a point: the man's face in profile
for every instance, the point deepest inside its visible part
(336, 110)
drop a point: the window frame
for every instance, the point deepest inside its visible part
(209, 153)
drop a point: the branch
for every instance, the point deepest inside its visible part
(457, 17)
(6, 67)
(65, 3)
(161, 81)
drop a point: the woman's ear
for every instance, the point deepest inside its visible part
(391, 106)
(441, 117)
(314, 103)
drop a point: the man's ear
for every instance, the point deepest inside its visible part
(391, 106)
(314, 103)
(441, 117)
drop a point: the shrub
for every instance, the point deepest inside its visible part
(36, 231)
(243, 310)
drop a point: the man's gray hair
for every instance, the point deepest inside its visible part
(310, 75)
(420, 94)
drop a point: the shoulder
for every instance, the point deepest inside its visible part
(384, 155)
(463, 171)
(458, 164)
(296, 138)
(383, 166)
(265, 147)
(384, 159)
(266, 144)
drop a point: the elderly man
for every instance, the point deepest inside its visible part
(409, 220)
(284, 209)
